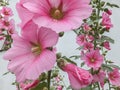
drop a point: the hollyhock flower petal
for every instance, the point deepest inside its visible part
(29, 55)
(47, 60)
(25, 16)
(79, 78)
(55, 14)
(47, 39)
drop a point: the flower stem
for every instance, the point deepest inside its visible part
(98, 86)
(18, 87)
(49, 78)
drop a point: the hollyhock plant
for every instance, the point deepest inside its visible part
(59, 15)
(79, 78)
(114, 77)
(34, 55)
(93, 59)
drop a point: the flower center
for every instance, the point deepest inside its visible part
(56, 13)
(92, 60)
(36, 49)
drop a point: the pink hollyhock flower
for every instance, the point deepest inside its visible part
(59, 15)
(79, 78)
(6, 11)
(80, 40)
(100, 77)
(29, 85)
(106, 21)
(30, 55)
(93, 59)
(114, 77)
(106, 45)
(2, 37)
(88, 46)
(86, 27)
(59, 87)
(90, 38)
(6, 24)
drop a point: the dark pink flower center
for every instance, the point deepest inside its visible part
(56, 13)
(36, 49)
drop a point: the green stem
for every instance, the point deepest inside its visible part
(97, 25)
(18, 87)
(49, 78)
(98, 86)
(109, 85)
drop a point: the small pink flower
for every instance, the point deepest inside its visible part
(59, 87)
(30, 55)
(100, 77)
(79, 78)
(6, 24)
(93, 59)
(86, 27)
(29, 85)
(59, 15)
(88, 46)
(114, 77)
(2, 37)
(109, 12)
(90, 38)
(106, 45)
(106, 21)
(80, 40)
(6, 11)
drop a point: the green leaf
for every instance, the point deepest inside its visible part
(40, 86)
(114, 66)
(112, 5)
(69, 60)
(75, 57)
(68, 88)
(107, 67)
(82, 64)
(106, 38)
(6, 73)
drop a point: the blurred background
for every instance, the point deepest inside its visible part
(67, 45)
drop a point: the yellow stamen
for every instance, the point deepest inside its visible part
(36, 50)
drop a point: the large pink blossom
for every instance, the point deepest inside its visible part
(30, 55)
(79, 78)
(93, 59)
(114, 77)
(59, 15)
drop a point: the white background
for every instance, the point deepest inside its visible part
(66, 45)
